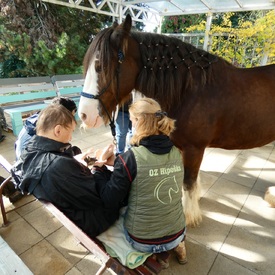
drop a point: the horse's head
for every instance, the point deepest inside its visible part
(110, 67)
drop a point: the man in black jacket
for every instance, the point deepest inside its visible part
(48, 170)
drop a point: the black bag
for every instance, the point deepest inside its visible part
(10, 191)
(16, 173)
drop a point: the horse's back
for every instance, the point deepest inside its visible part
(235, 111)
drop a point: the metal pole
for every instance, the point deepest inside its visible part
(207, 30)
(120, 7)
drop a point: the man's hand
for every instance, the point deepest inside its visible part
(86, 158)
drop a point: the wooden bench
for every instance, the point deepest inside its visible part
(7, 166)
(150, 267)
(26, 95)
(69, 85)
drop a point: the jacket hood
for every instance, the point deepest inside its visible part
(157, 144)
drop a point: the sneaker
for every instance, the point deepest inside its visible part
(164, 263)
(16, 196)
(162, 260)
(180, 251)
(8, 189)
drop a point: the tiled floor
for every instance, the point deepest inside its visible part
(236, 236)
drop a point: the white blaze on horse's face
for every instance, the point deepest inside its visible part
(88, 107)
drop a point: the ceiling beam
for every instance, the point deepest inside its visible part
(151, 11)
(206, 4)
(111, 8)
(239, 3)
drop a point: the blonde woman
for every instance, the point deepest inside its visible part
(148, 179)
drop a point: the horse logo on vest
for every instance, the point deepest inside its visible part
(164, 192)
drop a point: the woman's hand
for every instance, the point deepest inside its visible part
(105, 156)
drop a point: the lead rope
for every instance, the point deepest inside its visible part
(112, 121)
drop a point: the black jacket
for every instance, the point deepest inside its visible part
(48, 170)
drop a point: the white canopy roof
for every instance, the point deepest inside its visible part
(152, 10)
(179, 7)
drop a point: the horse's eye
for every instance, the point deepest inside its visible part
(98, 68)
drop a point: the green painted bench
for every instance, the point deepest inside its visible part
(19, 96)
(24, 96)
(69, 85)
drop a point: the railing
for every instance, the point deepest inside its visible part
(244, 53)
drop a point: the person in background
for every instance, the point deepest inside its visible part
(123, 127)
(49, 170)
(29, 128)
(3, 124)
(150, 177)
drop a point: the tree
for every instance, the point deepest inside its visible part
(251, 42)
(179, 24)
(44, 39)
(243, 38)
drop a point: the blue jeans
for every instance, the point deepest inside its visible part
(152, 248)
(21, 142)
(123, 127)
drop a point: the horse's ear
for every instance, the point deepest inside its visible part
(121, 31)
(127, 25)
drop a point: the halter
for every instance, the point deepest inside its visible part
(91, 96)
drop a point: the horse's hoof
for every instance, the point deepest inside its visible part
(270, 196)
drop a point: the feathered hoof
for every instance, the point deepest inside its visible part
(193, 221)
(270, 196)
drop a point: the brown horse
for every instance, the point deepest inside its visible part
(214, 103)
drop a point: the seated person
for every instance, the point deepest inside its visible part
(30, 123)
(48, 170)
(27, 132)
(150, 176)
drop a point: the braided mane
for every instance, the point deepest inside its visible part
(171, 66)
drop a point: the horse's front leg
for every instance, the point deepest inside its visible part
(192, 158)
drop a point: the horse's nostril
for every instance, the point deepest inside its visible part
(83, 116)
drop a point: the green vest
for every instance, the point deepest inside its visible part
(155, 201)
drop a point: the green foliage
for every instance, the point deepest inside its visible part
(248, 44)
(39, 39)
(243, 38)
(12, 67)
(20, 58)
(44, 39)
(179, 24)
(12, 46)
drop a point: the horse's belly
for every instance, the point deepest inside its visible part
(243, 139)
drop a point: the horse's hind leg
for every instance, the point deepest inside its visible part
(192, 158)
